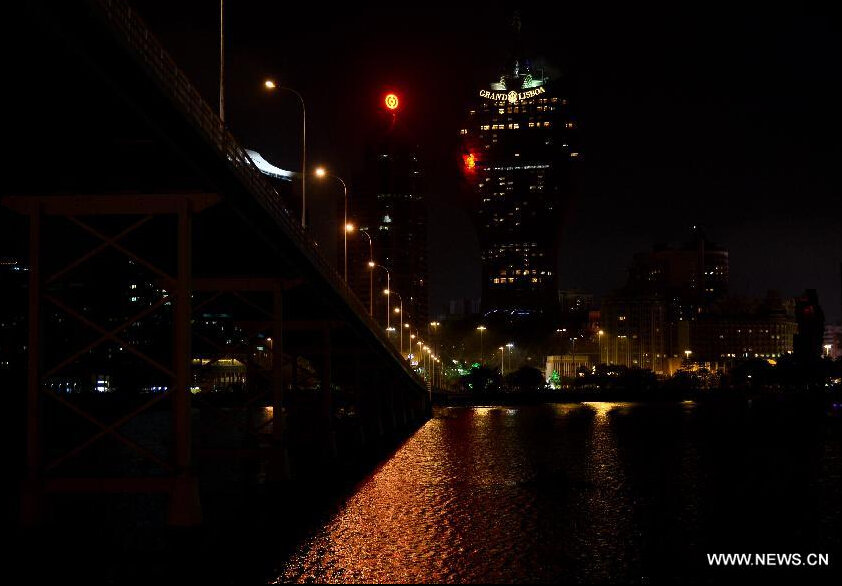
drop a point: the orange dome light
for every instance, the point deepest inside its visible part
(391, 101)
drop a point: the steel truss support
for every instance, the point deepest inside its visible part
(179, 481)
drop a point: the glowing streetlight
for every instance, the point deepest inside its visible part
(374, 265)
(480, 329)
(321, 172)
(370, 273)
(270, 85)
(399, 310)
(502, 349)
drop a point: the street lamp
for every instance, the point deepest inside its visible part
(346, 227)
(827, 348)
(399, 311)
(374, 265)
(600, 333)
(434, 333)
(370, 273)
(510, 345)
(480, 329)
(270, 86)
(502, 358)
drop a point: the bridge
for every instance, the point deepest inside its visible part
(150, 352)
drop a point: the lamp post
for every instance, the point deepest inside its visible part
(346, 227)
(370, 273)
(433, 332)
(599, 335)
(510, 345)
(480, 329)
(400, 321)
(502, 349)
(622, 337)
(420, 356)
(271, 85)
(374, 265)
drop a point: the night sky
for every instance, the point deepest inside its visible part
(727, 121)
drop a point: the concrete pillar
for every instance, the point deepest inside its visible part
(375, 400)
(184, 509)
(32, 494)
(278, 461)
(327, 395)
(359, 397)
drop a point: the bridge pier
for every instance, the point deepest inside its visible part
(359, 403)
(32, 490)
(184, 509)
(279, 458)
(329, 433)
(41, 476)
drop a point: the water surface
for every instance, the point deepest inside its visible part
(590, 492)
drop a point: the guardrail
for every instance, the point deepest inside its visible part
(128, 24)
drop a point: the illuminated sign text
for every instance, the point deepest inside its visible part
(511, 96)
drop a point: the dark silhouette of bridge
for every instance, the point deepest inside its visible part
(167, 278)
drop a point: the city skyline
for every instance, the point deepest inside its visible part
(221, 336)
(756, 136)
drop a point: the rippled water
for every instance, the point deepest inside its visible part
(588, 492)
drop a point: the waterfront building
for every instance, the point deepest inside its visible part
(518, 152)
(740, 329)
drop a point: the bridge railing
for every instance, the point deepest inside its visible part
(169, 76)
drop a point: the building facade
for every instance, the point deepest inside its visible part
(391, 212)
(633, 332)
(688, 279)
(518, 153)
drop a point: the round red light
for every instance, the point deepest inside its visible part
(391, 101)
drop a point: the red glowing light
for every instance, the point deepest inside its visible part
(470, 161)
(391, 101)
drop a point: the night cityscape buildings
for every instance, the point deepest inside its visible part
(519, 149)
(392, 211)
(207, 380)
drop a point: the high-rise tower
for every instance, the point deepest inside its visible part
(391, 209)
(518, 153)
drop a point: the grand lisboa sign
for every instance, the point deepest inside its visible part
(512, 96)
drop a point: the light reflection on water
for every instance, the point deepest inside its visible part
(569, 492)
